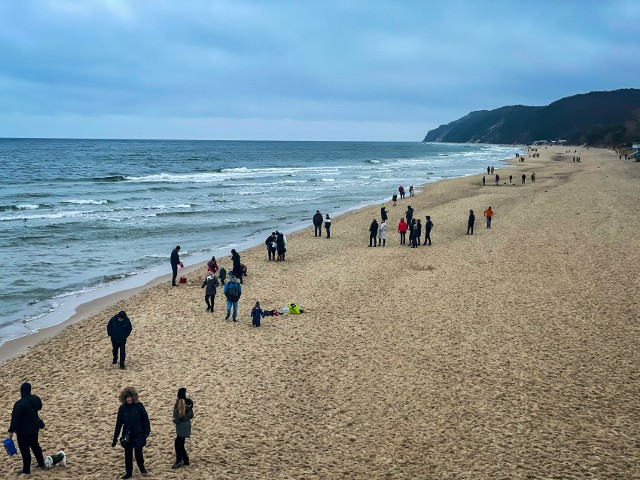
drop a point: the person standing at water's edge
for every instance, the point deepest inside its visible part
(488, 213)
(175, 261)
(317, 224)
(471, 222)
(182, 415)
(133, 421)
(233, 292)
(26, 424)
(327, 225)
(119, 328)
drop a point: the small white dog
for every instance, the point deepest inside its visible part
(59, 459)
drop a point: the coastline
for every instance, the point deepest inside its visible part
(511, 353)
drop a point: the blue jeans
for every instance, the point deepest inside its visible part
(235, 308)
(488, 222)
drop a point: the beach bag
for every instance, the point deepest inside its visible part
(294, 309)
(182, 280)
(9, 446)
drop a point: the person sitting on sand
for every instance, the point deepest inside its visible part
(402, 230)
(182, 415)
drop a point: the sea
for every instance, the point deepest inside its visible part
(83, 218)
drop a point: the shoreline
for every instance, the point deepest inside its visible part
(83, 309)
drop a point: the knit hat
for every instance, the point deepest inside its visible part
(25, 389)
(182, 393)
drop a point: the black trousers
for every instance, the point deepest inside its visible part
(210, 299)
(272, 253)
(470, 229)
(181, 452)
(174, 269)
(318, 231)
(128, 460)
(403, 238)
(372, 240)
(121, 347)
(25, 443)
(328, 229)
(427, 238)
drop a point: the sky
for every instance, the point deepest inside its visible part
(298, 70)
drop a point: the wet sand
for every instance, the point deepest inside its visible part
(512, 353)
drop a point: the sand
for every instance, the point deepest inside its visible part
(512, 353)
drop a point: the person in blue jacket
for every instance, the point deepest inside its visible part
(119, 328)
(256, 315)
(233, 292)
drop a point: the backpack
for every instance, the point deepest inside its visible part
(294, 309)
(233, 291)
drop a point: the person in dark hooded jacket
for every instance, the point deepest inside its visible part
(211, 282)
(26, 424)
(237, 267)
(133, 421)
(182, 415)
(317, 223)
(119, 328)
(373, 233)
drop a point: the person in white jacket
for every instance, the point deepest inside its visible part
(382, 234)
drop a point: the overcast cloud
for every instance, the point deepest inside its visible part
(298, 70)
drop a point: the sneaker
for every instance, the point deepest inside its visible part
(178, 464)
(127, 475)
(234, 320)
(122, 367)
(227, 317)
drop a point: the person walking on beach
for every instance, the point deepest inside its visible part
(533, 177)
(488, 170)
(524, 178)
(497, 179)
(26, 424)
(471, 222)
(119, 328)
(394, 198)
(222, 274)
(402, 230)
(256, 315)
(373, 233)
(382, 233)
(510, 178)
(182, 415)
(212, 265)
(233, 292)
(409, 215)
(175, 261)
(383, 213)
(491, 169)
(428, 226)
(211, 284)
(237, 266)
(327, 225)
(488, 213)
(411, 190)
(271, 251)
(401, 191)
(317, 223)
(133, 421)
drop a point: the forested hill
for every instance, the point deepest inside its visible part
(596, 118)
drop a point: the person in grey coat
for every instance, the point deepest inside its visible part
(211, 282)
(182, 415)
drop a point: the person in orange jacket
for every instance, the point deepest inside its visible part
(402, 230)
(488, 213)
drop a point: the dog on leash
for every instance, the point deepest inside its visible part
(59, 459)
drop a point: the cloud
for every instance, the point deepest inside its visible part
(351, 63)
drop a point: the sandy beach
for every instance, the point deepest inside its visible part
(512, 353)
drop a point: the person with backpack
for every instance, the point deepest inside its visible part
(182, 415)
(327, 225)
(256, 315)
(133, 421)
(26, 424)
(427, 227)
(211, 282)
(119, 328)
(317, 223)
(233, 292)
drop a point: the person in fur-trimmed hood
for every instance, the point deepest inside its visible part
(182, 415)
(133, 421)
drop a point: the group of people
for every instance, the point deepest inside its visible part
(488, 215)
(317, 224)
(131, 431)
(378, 231)
(277, 244)
(497, 179)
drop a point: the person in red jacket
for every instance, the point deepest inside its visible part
(402, 230)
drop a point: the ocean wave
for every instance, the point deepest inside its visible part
(372, 161)
(85, 202)
(24, 206)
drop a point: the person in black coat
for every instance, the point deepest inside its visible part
(119, 328)
(237, 268)
(427, 227)
(373, 233)
(175, 261)
(317, 223)
(471, 222)
(211, 282)
(133, 421)
(26, 424)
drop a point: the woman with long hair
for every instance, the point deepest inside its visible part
(133, 421)
(182, 415)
